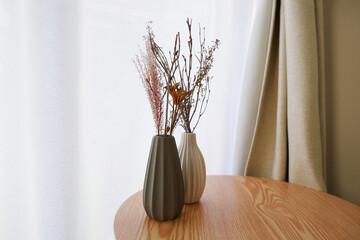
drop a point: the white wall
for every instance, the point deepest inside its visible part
(342, 52)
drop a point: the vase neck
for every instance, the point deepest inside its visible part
(188, 138)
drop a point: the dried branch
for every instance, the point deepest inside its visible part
(172, 88)
(198, 85)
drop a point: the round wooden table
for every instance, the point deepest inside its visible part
(236, 207)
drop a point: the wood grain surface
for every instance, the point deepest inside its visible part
(236, 207)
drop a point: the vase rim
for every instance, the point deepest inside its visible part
(164, 136)
(192, 133)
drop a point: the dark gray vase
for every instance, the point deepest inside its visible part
(163, 193)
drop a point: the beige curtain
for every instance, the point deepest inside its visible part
(289, 136)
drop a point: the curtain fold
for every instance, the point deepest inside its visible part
(289, 139)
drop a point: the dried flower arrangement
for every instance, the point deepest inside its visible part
(189, 93)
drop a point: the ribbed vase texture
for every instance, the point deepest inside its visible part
(163, 193)
(193, 168)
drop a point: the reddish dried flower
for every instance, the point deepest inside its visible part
(152, 81)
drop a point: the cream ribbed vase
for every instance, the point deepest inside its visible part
(193, 168)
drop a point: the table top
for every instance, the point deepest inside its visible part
(237, 207)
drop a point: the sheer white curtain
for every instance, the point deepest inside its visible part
(257, 52)
(75, 124)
